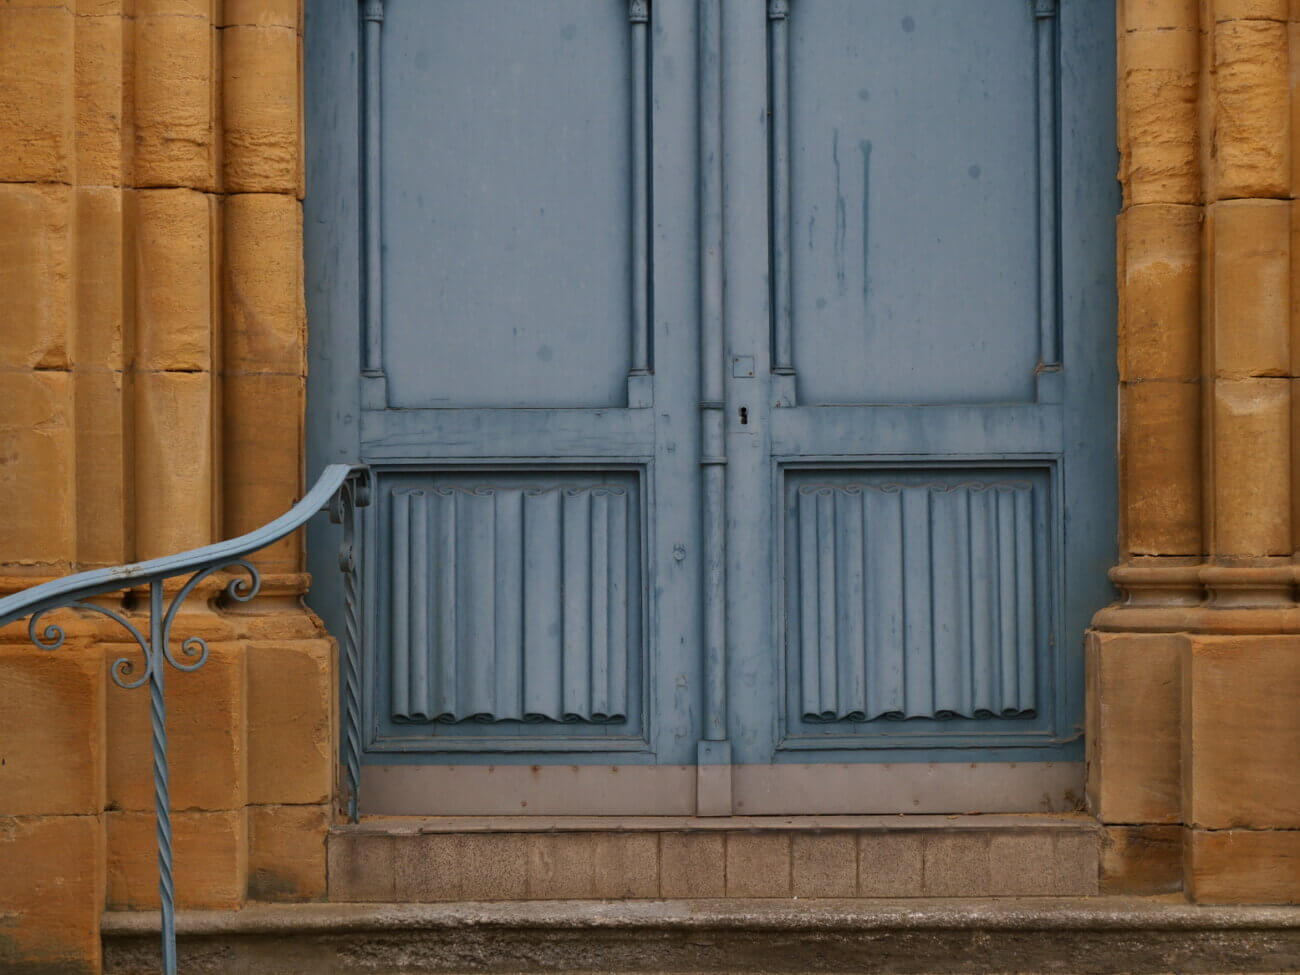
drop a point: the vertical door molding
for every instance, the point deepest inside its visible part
(639, 392)
(374, 391)
(713, 796)
(1049, 341)
(783, 382)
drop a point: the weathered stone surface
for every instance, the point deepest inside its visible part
(1249, 244)
(36, 84)
(174, 279)
(1159, 82)
(1251, 494)
(363, 868)
(52, 894)
(970, 936)
(286, 852)
(1158, 14)
(210, 859)
(263, 313)
(262, 472)
(1252, 142)
(1134, 727)
(1250, 10)
(1160, 468)
(291, 704)
(35, 276)
(205, 732)
(1243, 866)
(105, 266)
(1242, 731)
(758, 864)
(692, 865)
(261, 101)
(891, 864)
(262, 13)
(823, 864)
(102, 437)
(1142, 860)
(175, 102)
(51, 731)
(173, 462)
(36, 426)
(101, 61)
(1160, 290)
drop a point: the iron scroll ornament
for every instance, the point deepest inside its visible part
(340, 489)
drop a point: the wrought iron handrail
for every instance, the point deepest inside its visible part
(340, 489)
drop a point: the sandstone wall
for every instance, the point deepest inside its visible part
(1193, 713)
(152, 364)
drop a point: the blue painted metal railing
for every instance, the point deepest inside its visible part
(341, 489)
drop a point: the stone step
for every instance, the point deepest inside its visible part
(419, 860)
(956, 935)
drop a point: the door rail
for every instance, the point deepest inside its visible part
(340, 490)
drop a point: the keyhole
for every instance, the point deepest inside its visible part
(744, 415)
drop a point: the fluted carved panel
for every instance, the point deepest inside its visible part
(514, 603)
(913, 600)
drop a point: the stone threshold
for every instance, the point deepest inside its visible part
(1093, 934)
(449, 859)
(412, 825)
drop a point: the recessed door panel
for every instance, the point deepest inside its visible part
(913, 224)
(507, 202)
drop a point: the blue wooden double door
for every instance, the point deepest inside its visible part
(737, 380)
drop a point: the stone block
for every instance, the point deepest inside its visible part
(1250, 288)
(1243, 866)
(361, 867)
(173, 462)
(1251, 85)
(692, 865)
(626, 865)
(824, 864)
(103, 447)
(1293, 43)
(427, 867)
(957, 864)
(1160, 468)
(493, 867)
(758, 864)
(36, 86)
(100, 65)
(1135, 733)
(291, 754)
(1142, 860)
(105, 265)
(1160, 303)
(51, 731)
(561, 866)
(1251, 457)
(177, 8)
(174, 232)
(286, 852)
(1250, 10)
(52, 895)
(263, 312)
(261, 102)
(35, 276)
(175, 102)
(262, 13)
(205, 731)
(210, 860)
(891, 863)
(1043, 863)
(1242, 734)
(1159, 134)
(1159, 14)
(262, 437)
(36, 426)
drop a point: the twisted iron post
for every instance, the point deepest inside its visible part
(341, 488)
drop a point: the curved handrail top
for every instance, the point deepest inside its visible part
(94, 582)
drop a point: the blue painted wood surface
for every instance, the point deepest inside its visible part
(743, 261)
